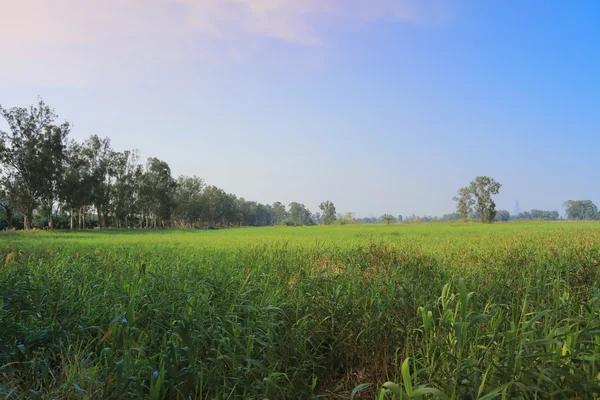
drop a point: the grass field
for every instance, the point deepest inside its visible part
(435, 310)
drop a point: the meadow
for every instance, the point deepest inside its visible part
(457, 311)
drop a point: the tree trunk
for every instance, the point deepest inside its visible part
(27, 221)
(72, 219)
(80, 217)
(9, 217)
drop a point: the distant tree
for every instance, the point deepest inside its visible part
(400, 218)
(188, 200)
(388, 218)
(280, 212)
(317, 218)
(483, 187)
(124, 166)
(214, 206)
(75, 191)
(161, 187)
(478, 194)
(539, 214)
(99, 157)
(300, 215)
(449, 217)
(366, 220)
(502, 215)
(328, 217)
(50, 180)
(581, 209)
(464, 203)
(345, 219)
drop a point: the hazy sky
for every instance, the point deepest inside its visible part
(381, 106)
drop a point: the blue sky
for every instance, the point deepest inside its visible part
(380, 106)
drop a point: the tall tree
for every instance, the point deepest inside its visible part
(124, 165)
(581, 209)
(483, 188)
(478, 194)
(75, 191)
(502, 216)
(161, 187)
(329, 215)
(54, 156)
(188, 200)
(464, 203)
(32, 152)
(388, 218)
(99, 157)
(280, 212)
(300, 215)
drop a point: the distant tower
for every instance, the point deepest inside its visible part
(517, 212)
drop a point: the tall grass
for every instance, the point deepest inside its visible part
(446, 311)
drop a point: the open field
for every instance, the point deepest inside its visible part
(448, 310)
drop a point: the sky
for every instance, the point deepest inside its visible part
(381, 106)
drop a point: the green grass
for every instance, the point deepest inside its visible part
(434, 310)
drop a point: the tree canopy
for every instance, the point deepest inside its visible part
(46, 176)
(477, 198)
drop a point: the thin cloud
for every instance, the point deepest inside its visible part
(71, 41)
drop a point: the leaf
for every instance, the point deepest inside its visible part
(494, 392)
(538, 316)
(358, 389)
(396, 390)
(436, 392)
(406, 376)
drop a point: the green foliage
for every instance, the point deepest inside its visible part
(502, 216)
(329, 214)
(345, 219)
(300, 215)
(431, 311)
(31, 156)
(539, 214)
(477, 199)
(581, 209)
(388, 218)
(46, 177)
(464, 203)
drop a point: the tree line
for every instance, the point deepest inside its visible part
(47, 179)
(475, 202)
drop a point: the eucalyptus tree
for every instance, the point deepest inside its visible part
(124, 165)
(464, 203)
(280, 212)
(329, 214)
(159, 190)
(188, 200)
(477, 199)
(76, 190)
(581, 209)
(388, 218)
(98, 154)
(32, 154)
(300, 215)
